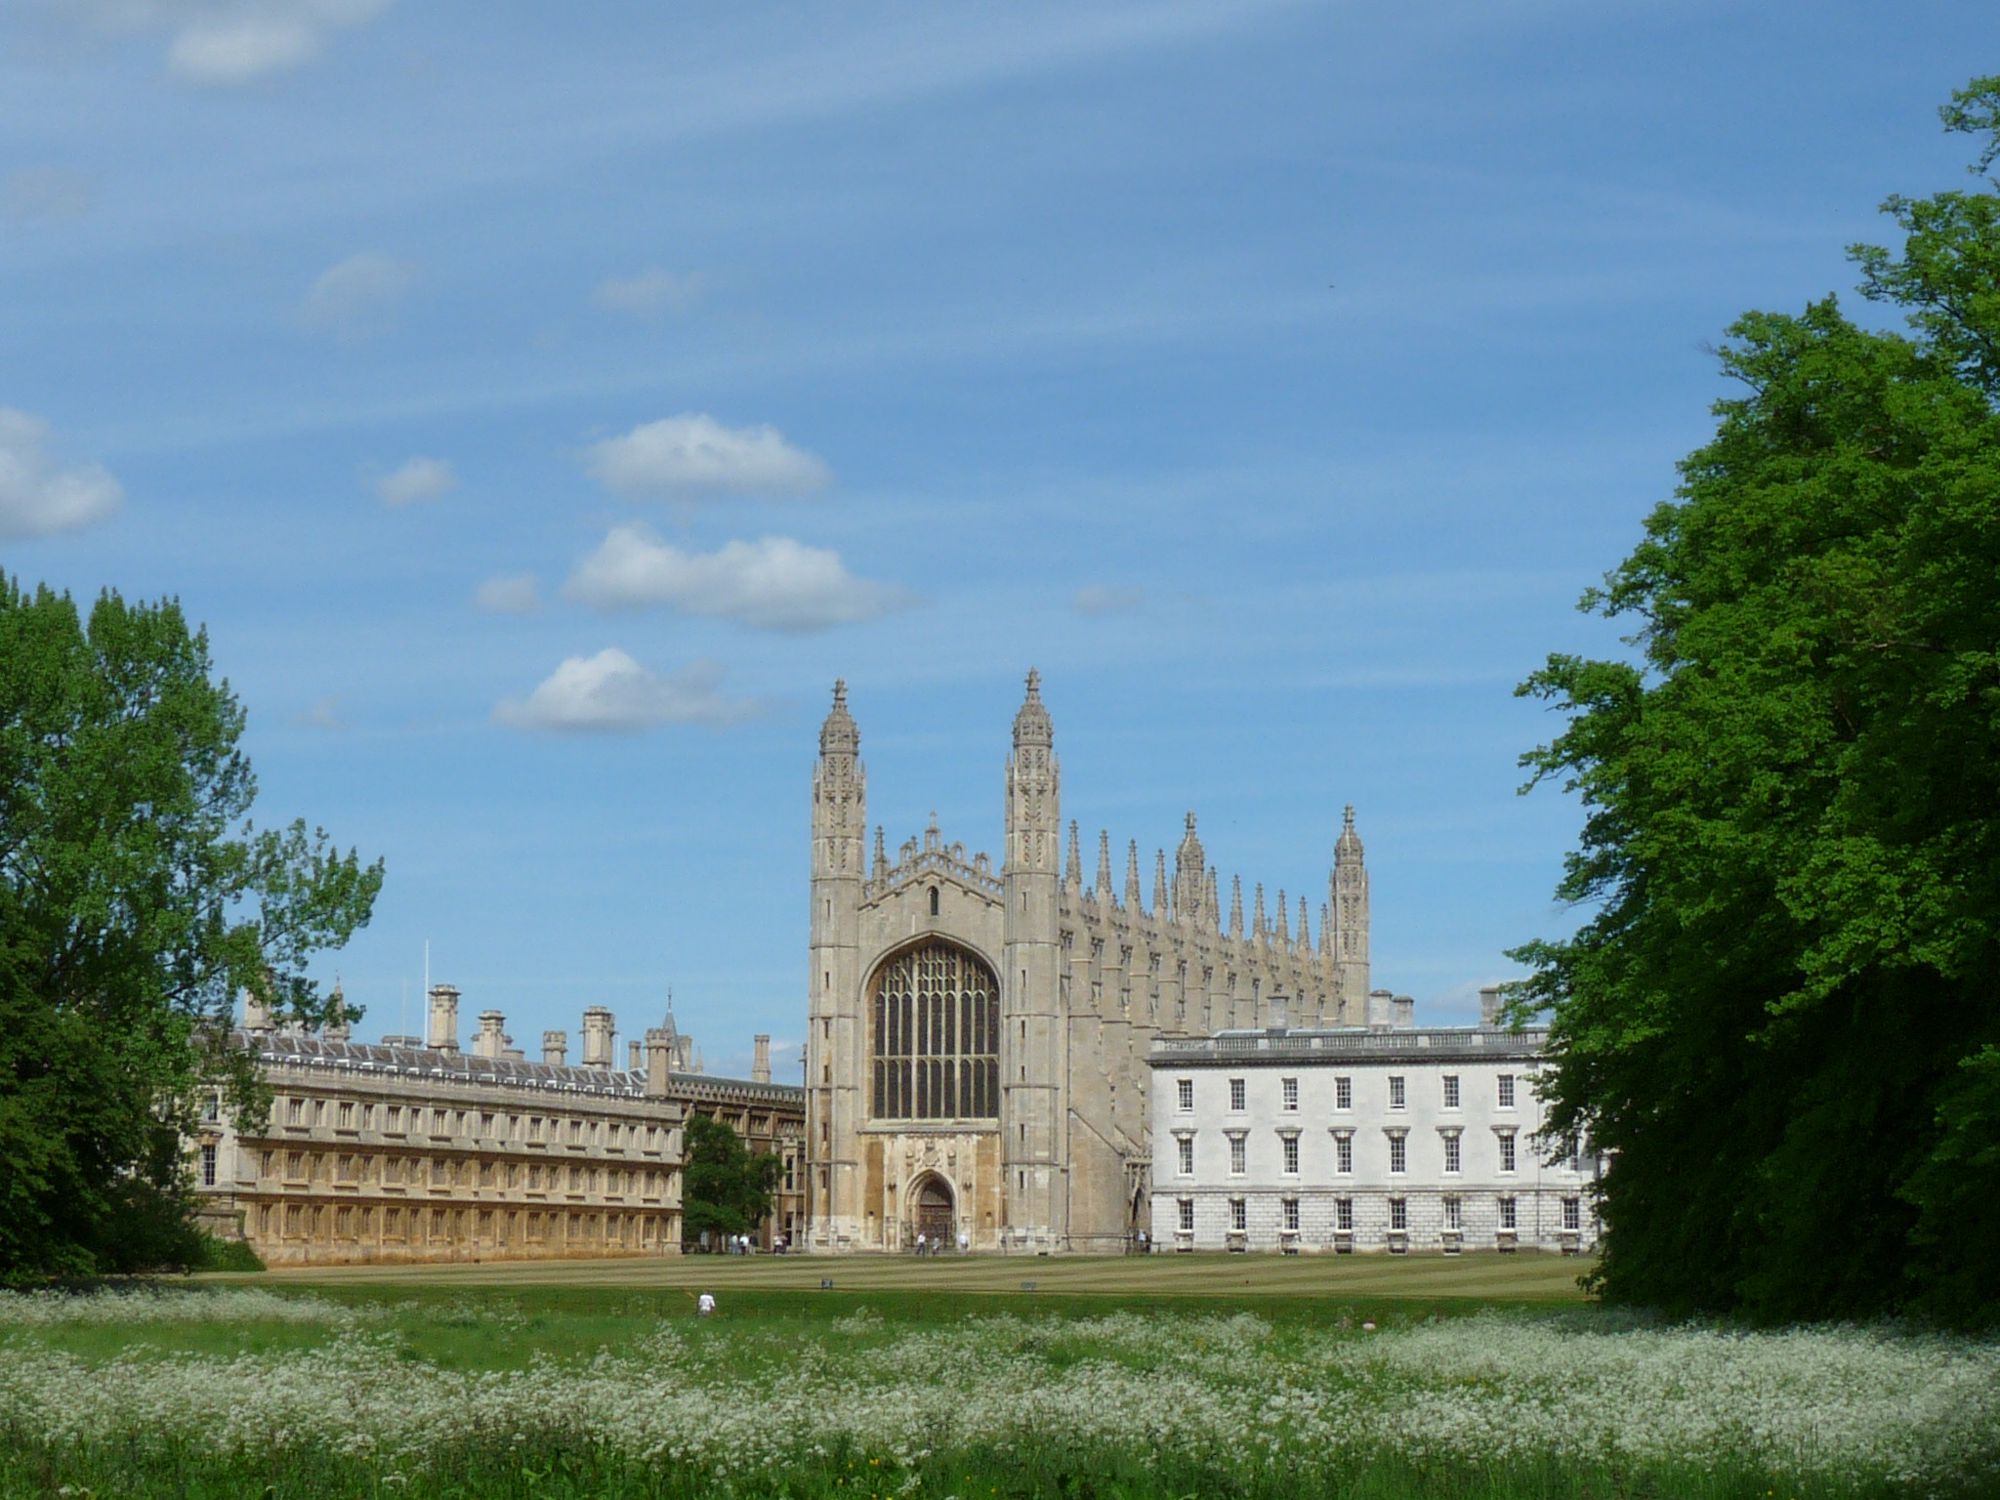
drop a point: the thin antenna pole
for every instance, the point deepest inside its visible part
(403, 1010)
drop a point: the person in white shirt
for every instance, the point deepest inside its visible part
(704, 1305)
(964, 1242)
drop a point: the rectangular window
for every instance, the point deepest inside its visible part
(1343, 1214)
(1291, 1220)
(1343, 1093)
(1573, 1213)
(1343, 1153)
(394, 1124)
(1186, 1145)
(1451, 1153)
(1506, 1150)
(1506, 1082)
(1399, 1155)
(1396, 1097)
(1186, 1206)
(1507, 1213)
(346, 1120)
(1236, 1093)
(1291, 1090)
(208, 1166)
(1185, 1087)
(1454, 1217)
(1236, 1154)
(1451, 1091)
(1239, 1219)
(1291, 1155)
(1399, 1213)
(294, 1111)
(211, 1107)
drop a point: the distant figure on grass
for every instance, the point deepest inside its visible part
(920, 1242)
(964, 1242)
(704, 1305)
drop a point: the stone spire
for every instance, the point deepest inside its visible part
(1074, 880)
(1190, 886)
(881, 854)
(1031, 724)
(1284, 922)
(1349, 890)
(1134, 899)
(1305, 932)
(1236, 906)
(1211, 906)
(1104, 866)
(839, 734)
(1257, 928)
(1325, 932)
(1160, 909)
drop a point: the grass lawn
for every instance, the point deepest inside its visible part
(1145, 1379)
(1491, 1278)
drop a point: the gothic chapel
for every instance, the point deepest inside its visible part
(976, 1056)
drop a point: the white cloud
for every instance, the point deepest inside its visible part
(359, 297)
(649, 294)
(417, 480)
(610, 693)
(322, 714)
(229, 42)
(774, 583)
(36, 497)
(515, 594)
(692, 455)
(1107, 599)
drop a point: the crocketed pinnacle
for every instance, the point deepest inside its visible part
(1031, 724)
(839, 735)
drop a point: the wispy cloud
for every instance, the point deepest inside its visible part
(47, 195)
(1107, 599)
(650, 294)
(322, 714)
(610, 693)
(514, 594)
(693, 456)
(40, 498)
(774, 583)
(232, 42)
(358, 298)
(417, 480)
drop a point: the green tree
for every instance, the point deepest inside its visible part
(1781, 1011)
(724, 1188)
(136, 901)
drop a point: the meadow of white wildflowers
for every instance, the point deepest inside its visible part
(1881, 1406)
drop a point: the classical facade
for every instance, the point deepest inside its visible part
(1368, 1138)
(979, 1034)
(415, 1150)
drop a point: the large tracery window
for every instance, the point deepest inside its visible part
(936, 1039)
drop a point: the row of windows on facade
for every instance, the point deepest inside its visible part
(348, 1114)
(417, 1226)
(1505, 1092)
(1450, 1141)
(357, 1169)
(1506, 1210)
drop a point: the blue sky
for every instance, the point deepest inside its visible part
(542, 405)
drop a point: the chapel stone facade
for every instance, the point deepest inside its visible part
(977, 1053)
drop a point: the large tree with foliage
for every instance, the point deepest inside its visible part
(136, 902)
(725, 1189)
(1782, 1011)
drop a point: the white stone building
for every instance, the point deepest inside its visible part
(1362, 1139)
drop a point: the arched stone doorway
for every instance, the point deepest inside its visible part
(932, 1211)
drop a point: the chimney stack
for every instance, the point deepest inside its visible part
(256, 1015)
(659, 1061)
(633, 1061)
(491, 1040)
(1404, 1010)
(444, 1018)
(760, 1059)
(1380, 1005)
(555, 1047)
(600, 1030)
(1489, 1005)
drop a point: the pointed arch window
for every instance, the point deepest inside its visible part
(934, 1046)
